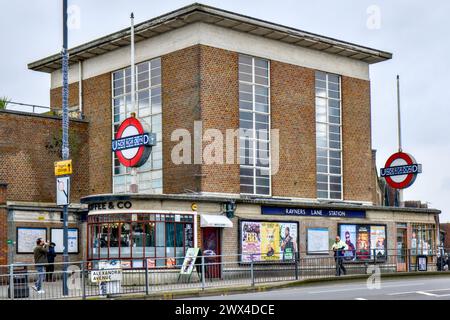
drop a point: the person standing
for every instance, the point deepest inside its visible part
(339, 248)
(40, 260)
(50, 268)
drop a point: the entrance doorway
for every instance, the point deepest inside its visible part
(402, 249)
(212, 251)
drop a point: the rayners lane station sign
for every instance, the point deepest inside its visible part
(327, 213)
(401, 170)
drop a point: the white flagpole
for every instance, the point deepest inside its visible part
(400, 192)
(133, 186)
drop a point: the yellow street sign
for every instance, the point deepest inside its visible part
(63, 168)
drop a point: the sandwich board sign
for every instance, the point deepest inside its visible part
(189, 261)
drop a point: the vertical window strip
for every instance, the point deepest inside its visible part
(328, 136)
(149, 111)
(254, 113)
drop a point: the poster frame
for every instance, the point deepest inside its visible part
(242, 220)
(78, 239)
(316, 253)
(384, 258)
(27, 228)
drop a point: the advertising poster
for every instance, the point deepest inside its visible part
(362, 243)
(348, 235)
(270, 241)
(251, 240)
(288, 238)
(378, 241)
(317, 241)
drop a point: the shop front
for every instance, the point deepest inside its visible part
(158, 230)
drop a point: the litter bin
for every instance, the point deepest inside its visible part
(20, 282)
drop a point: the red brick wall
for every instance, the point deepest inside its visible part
(97, 110)
(219, 100)
(293, 114)
(181, 107)
(27, 157)
(356, 137)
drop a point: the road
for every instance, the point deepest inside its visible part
(411, 288)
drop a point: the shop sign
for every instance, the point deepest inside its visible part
(132, 144)
(401, 170)
(307, 212)
(110, 205)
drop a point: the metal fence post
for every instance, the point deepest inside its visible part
(83, 281)
(203, 272)
(11, 281)
(409, 260)
(252, 274)
(296, 265)
(146, 277)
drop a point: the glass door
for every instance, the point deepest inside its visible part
(402, 249)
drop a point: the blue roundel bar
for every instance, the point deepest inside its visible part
(146, 139)
(401, 170)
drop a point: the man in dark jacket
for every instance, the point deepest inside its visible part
(50, 268)
(40, 259)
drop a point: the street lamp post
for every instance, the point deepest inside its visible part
(65, 137)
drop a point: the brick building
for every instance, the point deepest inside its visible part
(294, 107)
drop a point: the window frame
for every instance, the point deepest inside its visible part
(254, 139)
(328, 124)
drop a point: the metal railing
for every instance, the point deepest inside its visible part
(162, 275)
(74, 112)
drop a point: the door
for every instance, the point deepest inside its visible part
(402, 250)
(212, 251)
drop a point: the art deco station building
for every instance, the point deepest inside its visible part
(302, 161)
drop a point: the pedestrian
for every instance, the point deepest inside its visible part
(50, 268)
(339, 248)
(40, 260)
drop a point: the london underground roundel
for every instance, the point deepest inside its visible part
(132, 144)
(401, 170)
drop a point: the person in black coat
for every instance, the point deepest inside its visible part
(50, 268)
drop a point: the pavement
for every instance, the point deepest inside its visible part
(402, 288)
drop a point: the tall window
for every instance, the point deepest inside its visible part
(148, 100)
(328, 136)
(254, 114)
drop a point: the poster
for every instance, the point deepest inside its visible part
(348, 235)
(317, 241)
(268, 241)
(362, 243)
(189, 261)
(378, 241)
(251, 240)
(26, 238)
(57, 238)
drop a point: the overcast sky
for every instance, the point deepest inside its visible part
(416, 32)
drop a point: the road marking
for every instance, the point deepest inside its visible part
(365, 288)
(427, 293)
(409, 292)
(360, 299)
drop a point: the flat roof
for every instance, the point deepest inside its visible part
(202, 13)
(257, 201)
